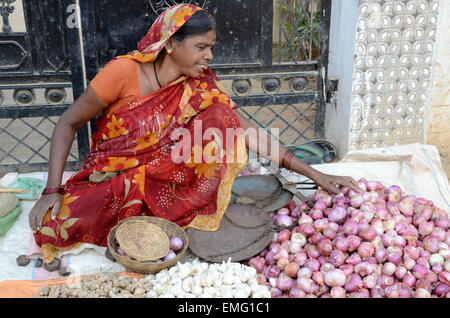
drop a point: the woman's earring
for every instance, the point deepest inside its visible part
(169, 51)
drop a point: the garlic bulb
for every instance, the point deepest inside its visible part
(200, 279)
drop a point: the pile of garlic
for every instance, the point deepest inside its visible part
(197, 279)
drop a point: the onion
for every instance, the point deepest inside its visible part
(377, 243)
(341, 243)
(337, 214)
(394, 255)
(296, 292)
(431, 244)
(325, 246)
(329, 232)
(419, 271)
(368, 234)
(171, 255)
(337, 258)
(304, 272)
(353, 242)
(426, 228)
(318, 278)
(364, 268)
(320, 224)
(356, 201)
(312, 264)
(272, 271)
(400, 272)
(335, 277)
(392, 292)
(444, 277)
(366, 249)
(257, 263)
(392, 208)
(283, 220)
(370, 281)
(381, 255)
(347, 269)
(373, 185)
(294, 247)
(431, 277)
(326, 267)
(284, 282)
(312, 251)
(338, 292)
(298, 237)
(350, 227)
(120, 251)
(441, 289)
(284, 236)
(292, 269)
(443, 222)
(282, 262)
(275, 292)
(315, 238)
(305, 284)
(389, 268)
(406, 206)
(306, 229)
(404, 290)
(377, 292)
(437, 268)
(409, 279)
(300, 258)
(421, 293)
(385, 280)
(354, 259)
(282, 253)
(176, 244)
(411, 252)
(439, 234)
(377, 225)
(316, 214)
(283, 211)
(436, 259)
(353, 283)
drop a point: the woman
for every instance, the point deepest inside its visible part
(150, 102)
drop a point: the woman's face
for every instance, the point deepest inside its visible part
(192, 56)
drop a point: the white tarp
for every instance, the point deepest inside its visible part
(416, 168)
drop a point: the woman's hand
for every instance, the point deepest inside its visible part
(45, 202)
(330, 183)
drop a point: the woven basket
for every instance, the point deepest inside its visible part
(148, 267)
(142, 240)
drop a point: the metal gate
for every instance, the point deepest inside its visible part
(270, 54)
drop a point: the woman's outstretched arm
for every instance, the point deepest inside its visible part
(262, 145)
(85, 108)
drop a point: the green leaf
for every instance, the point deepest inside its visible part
(69, 223)
(127, 187)
(64, 234)
(48, 231)
(132, 202)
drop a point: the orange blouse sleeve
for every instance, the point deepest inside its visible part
(109, 82)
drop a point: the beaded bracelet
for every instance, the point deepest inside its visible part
(53, 190)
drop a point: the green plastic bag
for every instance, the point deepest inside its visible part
(33, 185)
(9, 219)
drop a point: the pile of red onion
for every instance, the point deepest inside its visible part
(379, 243)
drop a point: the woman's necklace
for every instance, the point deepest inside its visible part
(156, 75)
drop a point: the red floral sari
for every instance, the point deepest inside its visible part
(139, 142)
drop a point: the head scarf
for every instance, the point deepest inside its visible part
(166, 25)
